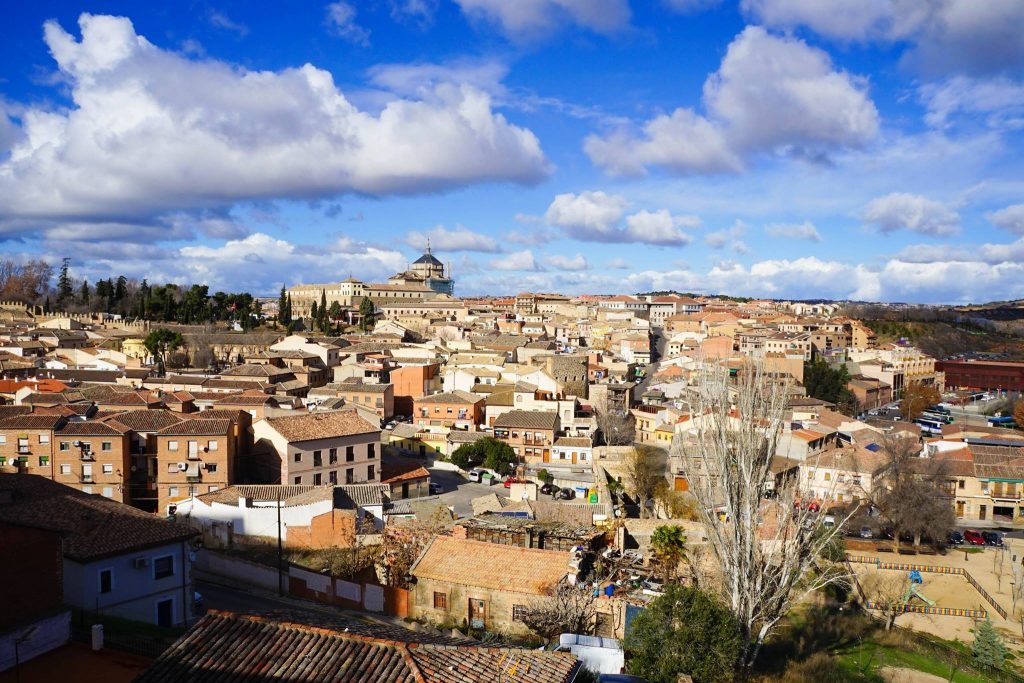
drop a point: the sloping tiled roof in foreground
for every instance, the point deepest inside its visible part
(226, 648)
(490, 565)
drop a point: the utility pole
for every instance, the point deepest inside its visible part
(280, 551)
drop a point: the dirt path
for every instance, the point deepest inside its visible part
(896, 674)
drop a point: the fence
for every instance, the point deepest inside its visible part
(934, 569)
(144, 640)
(369, 597)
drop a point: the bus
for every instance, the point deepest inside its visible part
(1006, 421)
(938, 417)
(937, 409)
(929, 426)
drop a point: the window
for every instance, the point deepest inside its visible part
(211, 489)
(350, 476)
(65, 469)
(106, 445)
(44, 461)
(369, 473)
(332, 456)
(440, 600)
(23, 445)
(108, 491)
(332, 477)
(961, 484)
(172, 491)
(297, 480)
(518, 612)
(3, 438)
(317, 479)
(172, 445)
(65, 445)
(318, 459)
(298, 457)
(163, 567)
(212, 445)
(44, 438)
(108, 469)
(106, 580)
(828, 476)
(350, 453)
(172, 467)
(371, 451)
(211, 467)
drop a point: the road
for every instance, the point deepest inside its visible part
(459, 492)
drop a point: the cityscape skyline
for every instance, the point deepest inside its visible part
(763, 149)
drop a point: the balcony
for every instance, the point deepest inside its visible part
(193, 478)
(87, 456)
(88, 479)
(24, 450)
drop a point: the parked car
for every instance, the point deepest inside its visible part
(993, 538)
(972, 537)
(549, 489)
(476, 474)
(566, 494)
(436, 489)
(866, 532)
(829, 521)
(956, 538)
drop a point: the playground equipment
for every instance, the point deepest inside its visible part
(912, 591)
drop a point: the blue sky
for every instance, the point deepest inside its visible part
(869, 149)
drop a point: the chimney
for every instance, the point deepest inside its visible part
(243, 502)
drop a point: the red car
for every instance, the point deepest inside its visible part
(512, 480)
(973, 537)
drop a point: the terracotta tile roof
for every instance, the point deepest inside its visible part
(489, 565)
(145, 420)
(198, 427)
(321, 425)
(92, 428)
(228, 648)
(527, 419)
(32, 421)
(93, 526)
(457, 396)
(395, 470)
(12, 411)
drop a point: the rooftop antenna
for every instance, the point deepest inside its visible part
(428, 244)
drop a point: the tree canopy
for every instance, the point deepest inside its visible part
(488, 452)
(916, 398)
(684, 630)
(827, 383)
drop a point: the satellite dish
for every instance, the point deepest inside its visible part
(77, 444)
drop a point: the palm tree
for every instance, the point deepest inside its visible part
(669, 546)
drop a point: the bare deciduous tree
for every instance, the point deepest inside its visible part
(616, 426)
(645, 478)
(565, 609)
(771, 551)
(886, 590)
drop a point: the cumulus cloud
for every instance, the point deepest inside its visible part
(152, 131)
(420, 12)
(422, 78)
(796, 231)
(1011, 218)
(771, 94)
(516, 260)
(904, 211)
(525, 19)
(457, 239)
(660, 227)
(945, 36)
(577, 262)
(596, 217)
(341, 18)
(588, 215)
(617, 263)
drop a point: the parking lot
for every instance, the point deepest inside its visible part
(459, 492)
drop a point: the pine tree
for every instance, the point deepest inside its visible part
(282, 308)
(83, 293)
(323, 311)
(988, 648)
(64, 291)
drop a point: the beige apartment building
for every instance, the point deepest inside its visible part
(330, 447)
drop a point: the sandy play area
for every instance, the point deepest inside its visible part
(947, 590)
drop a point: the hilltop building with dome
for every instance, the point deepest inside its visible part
(425, 279)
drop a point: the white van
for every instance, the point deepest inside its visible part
(476, 474)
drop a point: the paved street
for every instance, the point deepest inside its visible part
(459, 492)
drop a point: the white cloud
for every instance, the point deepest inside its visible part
(457, 239)
(588, 215)
(151, 131)
(901, 210)
(341, 18)
(617, 263)
(797, 231)
(729, 237)
(1000, 99)
(771, 94)
(577, 262)
(419, 11)
(945, 36)
(537, 18)
(221, 20)
(516, 260)
(422, 78)
(1011, 218)
(660, 227)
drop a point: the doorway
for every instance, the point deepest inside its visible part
(165, 613)
(477, 613)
